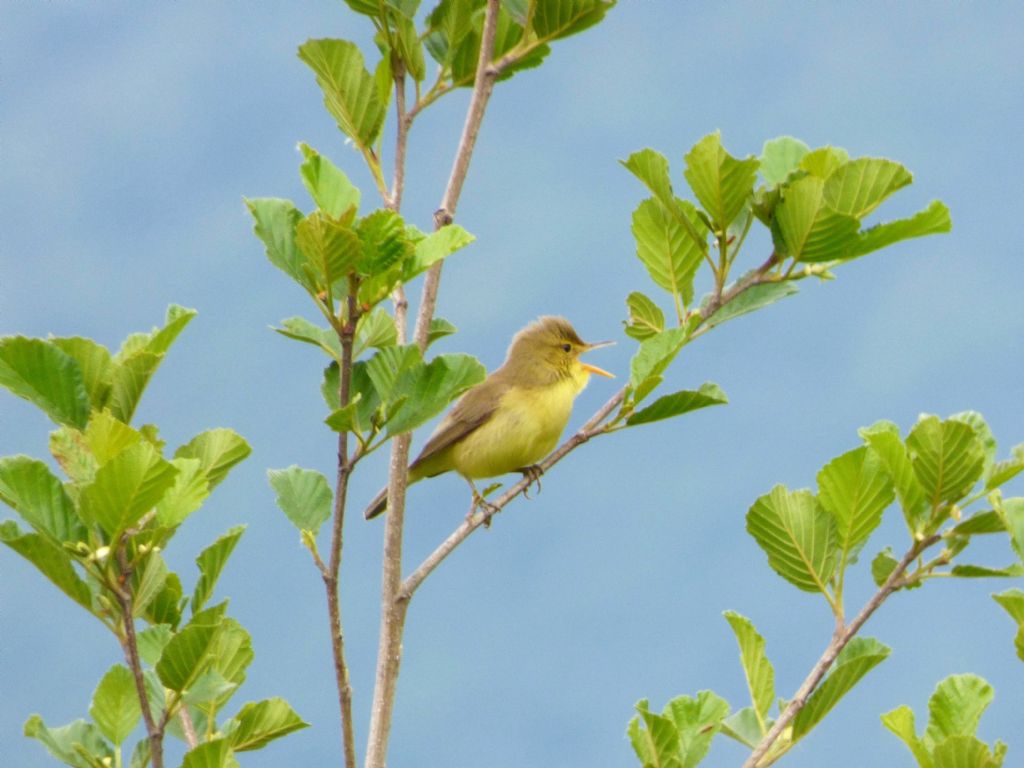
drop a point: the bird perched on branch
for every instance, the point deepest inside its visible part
(514, 418)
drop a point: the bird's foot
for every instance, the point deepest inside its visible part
(532, 475)
(483, 505)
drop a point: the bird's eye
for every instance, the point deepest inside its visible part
(567, 347)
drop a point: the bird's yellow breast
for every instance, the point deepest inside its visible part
(523, 430)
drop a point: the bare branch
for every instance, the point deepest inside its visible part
(840, 638)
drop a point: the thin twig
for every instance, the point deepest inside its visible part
(393, 606)
(394, 199)
(130, 646)
(840, 638)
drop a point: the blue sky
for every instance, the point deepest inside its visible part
(130, 133)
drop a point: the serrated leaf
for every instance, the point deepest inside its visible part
(860, 656)
(210, 754)
(327, 184)
(303, 495)
(883, 565)
(855, 489)
(858, 187)
(779, 158)
(964, 752)
(126, 488)
(884, 439)
(209, 688)
(758, 670)
(967, 571)
(645, 317)
(68, 742)
(218, 450)
(1003, 471)
(374, 330)
(152, 641)
(947, 458)
(300, 329)
(810, 229)
(259, 723)
(665, 247)
(68, 446)
(439, 328)
(46, 376)
(824, 161)
(51, 560)
(697, 720)
(901, 722)
(166, 607)
(233, 651)
(28, 486)
(651, 168)
(94, 361)
(655, 738)
(186, 656)
(331, 248)
(158, 340)
(385, 245)
(555, 19)
(447, 26)
(654, 356)
(130, 378)
(956, 707)
(720, 182)
(983, 522)
(152, 577)
(934, 219)
(275, 221)
(350, 93)
(1012, 600)
(106, 436)
(428, 389)
(678, 403)
(1011, 512)
(753, 298)
(190, 489)
(743, 726)
(798, 536)
(115, 704)
(211, 562)
(434, 247)
(408, 48)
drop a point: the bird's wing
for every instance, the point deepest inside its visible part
(472, 411)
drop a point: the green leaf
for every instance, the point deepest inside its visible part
(374, 330)
(141, 754)
(743, 726)
(956, 707)
(152, 578)
(152, 641)
(855, 489)
(350, 94)
(860, 656)
(901, 722)
(330, 246)
(115, 704)
(883, 565)
(753, 298)
(947, 457)
(46, 376)
(28, 486)
(824, 161)
(665, 247)
(218, 450)
(187, 655)
(258, 723)
(68, 446)
(409, 49)
(966, 571)
(209, 689)
(721, 183)
(697, 720)
(68, 742)
(645, 318)
(779, 158)
(884, 439)
(798, 536)
(127, 487)
(186, 495)
(346, 419)
(166, 607)
(555, 19)
(275, 222)
(303, 495)
(1003, 471)
(964, 752)
(300, 329)
(655, 738)
(1011, 512)
(429, 389)
(654, 356)
(758, 670)
(158, 340)
(94, 362)
(651, 168)
(678, 403)
(983, 522)
(439, 328)
(434, 247)
(447, 26)
(130, 379)
(233, 651)
(327, 184)
(50, 559)
(1012, 600)
(810, 229)
(211, 562)
(858, 187)
(933, 220)
(210, 754)
(106, 436)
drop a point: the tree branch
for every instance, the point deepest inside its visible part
(840, 638)
(393, 605)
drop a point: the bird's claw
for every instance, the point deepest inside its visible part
(532, 475)
(488, 509)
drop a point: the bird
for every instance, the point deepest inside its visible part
(515, 417)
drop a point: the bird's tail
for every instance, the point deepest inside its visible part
(378, 505)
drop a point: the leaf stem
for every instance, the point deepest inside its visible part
(840, 638)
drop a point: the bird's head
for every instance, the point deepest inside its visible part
(548, 350)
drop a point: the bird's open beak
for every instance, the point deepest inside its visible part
(594, 368)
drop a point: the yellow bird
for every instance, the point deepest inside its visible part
(514, 418)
